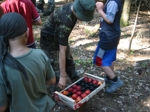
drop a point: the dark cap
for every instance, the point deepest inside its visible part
(84, 9)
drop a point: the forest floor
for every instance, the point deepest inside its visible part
(132, 68)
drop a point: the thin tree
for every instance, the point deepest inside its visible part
(129, 50)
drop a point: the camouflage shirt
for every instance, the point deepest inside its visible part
(59, 25)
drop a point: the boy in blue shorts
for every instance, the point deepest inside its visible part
(109, 34)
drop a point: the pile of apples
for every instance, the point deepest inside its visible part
(82, 88)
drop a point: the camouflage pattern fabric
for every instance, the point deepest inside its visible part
(53, 53)
(50, 7)
(40, 6)
(55, 32)
(42, 1)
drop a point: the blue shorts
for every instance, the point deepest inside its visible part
(104, 57)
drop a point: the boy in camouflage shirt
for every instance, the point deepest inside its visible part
(55, 34)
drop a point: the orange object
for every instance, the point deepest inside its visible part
(65, 92)
(99, 83)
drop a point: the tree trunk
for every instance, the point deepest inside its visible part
(125, 13)
(129, 50)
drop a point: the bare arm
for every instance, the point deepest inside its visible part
(3, 98)
(1, 11)
(62, 66)
(51, 81)
(100, 6)
(3, 108)
(50, 74)
(37, 22)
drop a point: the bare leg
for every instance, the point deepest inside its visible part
(115, 82)
(112, 66)
(109, 71)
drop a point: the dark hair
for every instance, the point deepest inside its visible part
(12, 25)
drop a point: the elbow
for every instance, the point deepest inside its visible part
(109, 22)
(54, 80)
(51, 81)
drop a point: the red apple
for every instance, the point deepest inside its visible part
(87, 91)
(94, 82)
(90, 80)
(74, 96)
(74, 91)
(74, 86)
(78, 88)
(83, 95)
(85, 79)
(79, 93)
(70, 89)
(78, 99)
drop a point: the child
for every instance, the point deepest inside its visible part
(55, 33)
(24, 72)
(28, 11)
(106, 51)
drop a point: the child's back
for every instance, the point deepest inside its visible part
(25, 71)
(27, 94)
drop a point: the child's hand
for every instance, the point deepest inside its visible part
(99, 6)
(62, 82)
